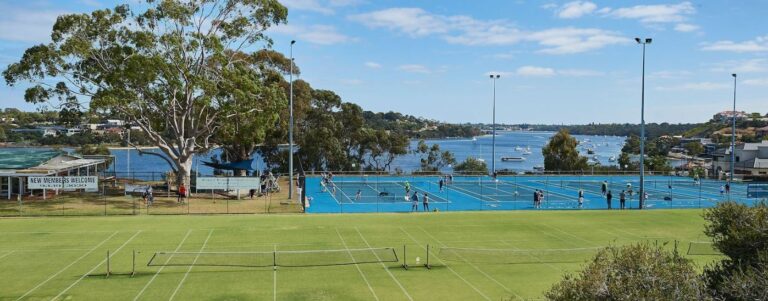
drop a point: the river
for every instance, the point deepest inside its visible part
(508, 144)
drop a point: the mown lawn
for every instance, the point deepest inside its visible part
(48, 257)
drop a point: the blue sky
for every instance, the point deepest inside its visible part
(560, 61)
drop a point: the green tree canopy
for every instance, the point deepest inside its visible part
(472, 165)
(168, 69)
(432, 158)
(561, 153)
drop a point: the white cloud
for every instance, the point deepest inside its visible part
(410, 21)
(416, 22)
(308, 5)
(742, 66)
(414, 68)
(547, 71)
(315, 34)
(700, 86)
(27, 25)
(373, 65)
(576, 9)
(575, 40)
(660, 13)
(763, 82)
(759, 44)
(670, 74)
(535, 71)
(685, 27)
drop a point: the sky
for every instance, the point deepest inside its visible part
(561, 62)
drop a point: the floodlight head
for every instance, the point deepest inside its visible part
(491, 75)
(638, 40)
(648, 41)
(293, 42)
(498, 75)
(734, 75)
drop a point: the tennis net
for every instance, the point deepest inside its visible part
(516, 256)
(307, 258)
(702, 248)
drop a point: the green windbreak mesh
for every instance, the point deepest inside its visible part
(21, 158)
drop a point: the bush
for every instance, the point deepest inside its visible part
(634, 272)
(741, 234)
(472, 166)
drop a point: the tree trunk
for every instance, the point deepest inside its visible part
(184, 172)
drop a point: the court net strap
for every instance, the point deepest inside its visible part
(512, 256)
(304, 258)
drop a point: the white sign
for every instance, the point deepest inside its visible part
(244, 183)
(131, 188)
(91, 182)
(228, 183)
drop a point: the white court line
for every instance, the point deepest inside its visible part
(383, 265)
(449, 268)
(97, 266)
(474, 266)
(274, 276)
(162, 267)
(6, 254)
(66, 267)
(569, 234)
(181, 283)
(357, 265)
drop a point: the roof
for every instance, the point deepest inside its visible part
(21, 158)
(39, 162)
(755, 146)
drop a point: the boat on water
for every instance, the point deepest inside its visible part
(590, 151)
(512, 159)
(527, 151)
(518, 149)
(612, 158)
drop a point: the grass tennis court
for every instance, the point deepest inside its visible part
(496, 255)
(387, 193)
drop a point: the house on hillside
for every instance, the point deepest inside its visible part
(761, 132)
(751, 159)
(726, 116)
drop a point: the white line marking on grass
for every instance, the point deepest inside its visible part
(66, 267)
(449, 268)
(162, 267)
(383, 265)
(474, 266)
(6, 254)
(181, 283)
(97, 266)
(274, 276)
(357, 265)
(569, 234)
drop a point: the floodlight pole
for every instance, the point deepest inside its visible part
(494, 77)
(733, 130)
(642, 126)
(290, 128)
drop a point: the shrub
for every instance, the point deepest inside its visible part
(634, 272)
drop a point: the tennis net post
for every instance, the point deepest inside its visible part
(405, 258)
